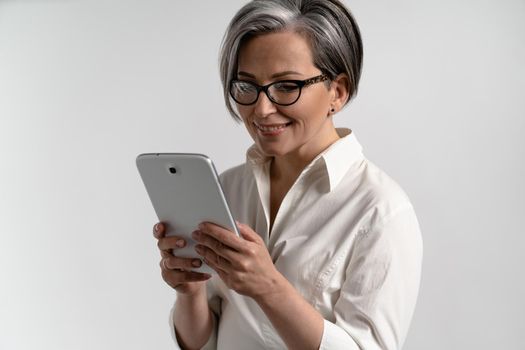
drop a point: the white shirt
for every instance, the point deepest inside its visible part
(345, 236)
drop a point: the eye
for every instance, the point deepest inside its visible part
(244, 87)
(285, 86)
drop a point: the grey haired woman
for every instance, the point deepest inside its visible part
(330, 253)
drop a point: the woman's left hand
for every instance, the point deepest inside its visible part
(244, 265)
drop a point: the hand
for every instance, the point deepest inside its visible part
(174, 269)
(244, 265)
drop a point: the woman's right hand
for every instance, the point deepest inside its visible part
(175, 270)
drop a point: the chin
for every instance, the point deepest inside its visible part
(272, 150)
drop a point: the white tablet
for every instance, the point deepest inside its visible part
(185, 190)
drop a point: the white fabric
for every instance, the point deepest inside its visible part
(346, 237)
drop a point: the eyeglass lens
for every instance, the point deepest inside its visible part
(281, 92)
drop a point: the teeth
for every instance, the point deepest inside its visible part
(270, 128)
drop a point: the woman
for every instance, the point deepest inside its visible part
(330, 254)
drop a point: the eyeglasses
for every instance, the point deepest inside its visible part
(282, 92)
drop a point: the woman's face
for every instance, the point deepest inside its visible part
(304, 128)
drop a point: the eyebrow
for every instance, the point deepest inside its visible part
(276, 75)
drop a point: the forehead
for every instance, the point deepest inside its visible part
(271, 53)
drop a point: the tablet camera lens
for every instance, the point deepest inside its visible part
(173, 170)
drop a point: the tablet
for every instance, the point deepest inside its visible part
(185, 190)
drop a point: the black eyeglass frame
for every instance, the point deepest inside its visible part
(259, 88)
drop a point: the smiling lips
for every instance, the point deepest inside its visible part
(269, 128)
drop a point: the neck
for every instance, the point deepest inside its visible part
(289, 166)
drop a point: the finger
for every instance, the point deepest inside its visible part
(172, 242)
(212, 259)
(175, 278)
(216, 246)
(223, 235)
(166, 253)
(192, 276)
(174, 262)
(247, 233)
(223, 275)
(159, 230)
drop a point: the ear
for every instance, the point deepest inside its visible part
(340, 92)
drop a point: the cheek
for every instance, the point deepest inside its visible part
(244, 111)
(314, 105)
(320, 105)
(247, 121)
(311, 112)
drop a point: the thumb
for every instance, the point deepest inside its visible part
(247, 233)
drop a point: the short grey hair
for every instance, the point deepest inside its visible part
(330, 28)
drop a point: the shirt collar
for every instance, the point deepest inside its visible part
(337, 158)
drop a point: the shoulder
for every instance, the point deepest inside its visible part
(380, 196)
(388, 219)
(381, 186)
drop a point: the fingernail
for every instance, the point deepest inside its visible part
(201, 226)
(196, 234)
(157, 228)
(196, 263)
(180, 243)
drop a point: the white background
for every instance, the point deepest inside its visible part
(85, 86)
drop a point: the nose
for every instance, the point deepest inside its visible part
(264, 107)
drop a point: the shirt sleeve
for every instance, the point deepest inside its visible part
(214, 302)
(379, 294)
